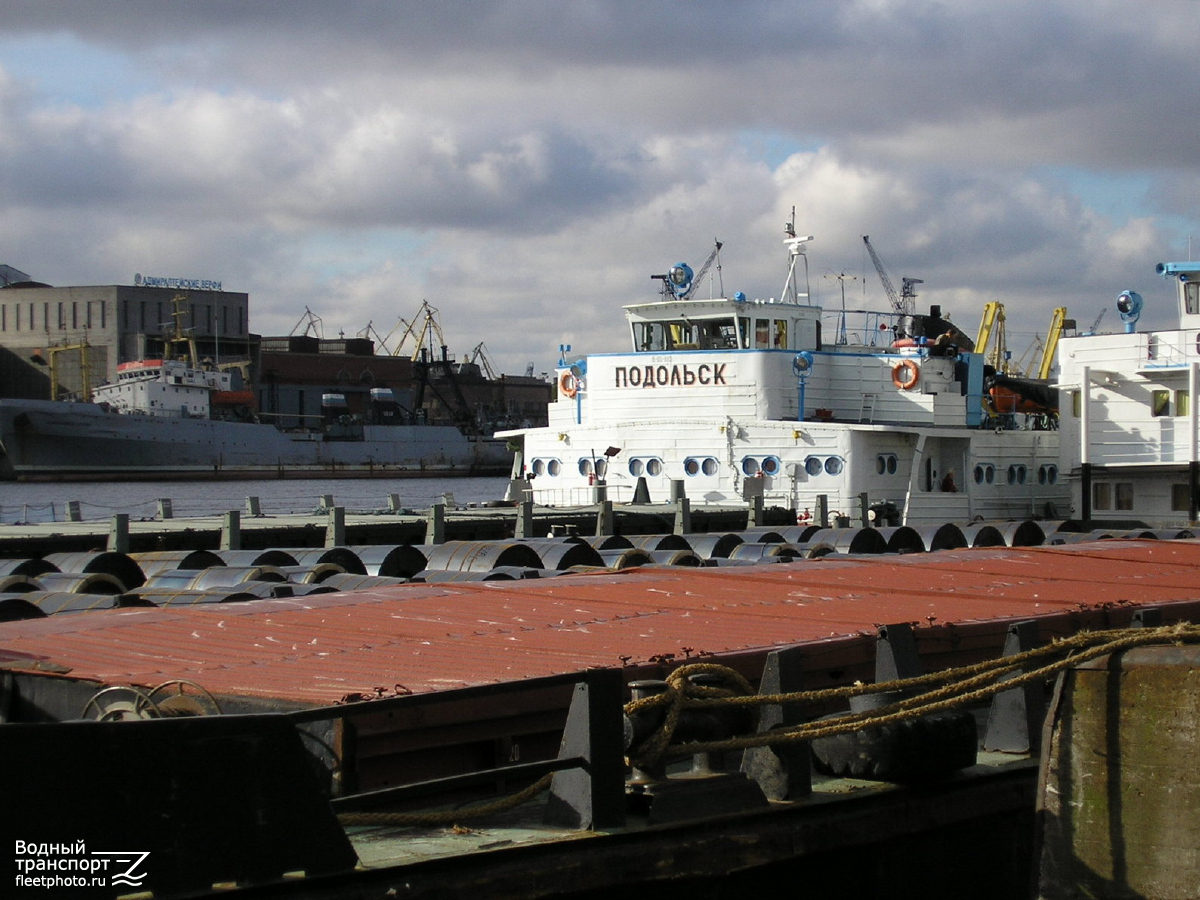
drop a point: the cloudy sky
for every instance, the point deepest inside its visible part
(527, 166)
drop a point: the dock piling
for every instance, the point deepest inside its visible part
(683, 516)
(604, 518)
(524, 526)
(335, 530)
(118, 533)
(435, 525)
(231, 531)
(756, 510)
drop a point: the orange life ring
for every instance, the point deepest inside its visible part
(568, 384)
(905, 374)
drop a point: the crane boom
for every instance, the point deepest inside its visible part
(699, 276)
(1056, 329)
(903, 302)
(993, 320)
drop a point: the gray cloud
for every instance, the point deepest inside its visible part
(527, 166)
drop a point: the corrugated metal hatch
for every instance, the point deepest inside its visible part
(315, 650)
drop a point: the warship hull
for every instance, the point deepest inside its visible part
(57, 441)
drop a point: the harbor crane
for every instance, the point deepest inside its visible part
(699, 277)
(311, 322)
(424, 327)
(904, 303)
(1057, 322)
(479, 355)
(993, 321)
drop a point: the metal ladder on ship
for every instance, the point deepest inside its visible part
(866, 412)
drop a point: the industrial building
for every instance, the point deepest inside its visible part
(58, 342)
(55, 342)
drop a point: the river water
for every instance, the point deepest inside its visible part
(45, 502)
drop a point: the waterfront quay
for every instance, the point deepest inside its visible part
(332, 525)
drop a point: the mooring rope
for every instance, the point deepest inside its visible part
(959, 687)
(964, 686)
(451, 816)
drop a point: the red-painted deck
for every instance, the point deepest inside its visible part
(436, 637)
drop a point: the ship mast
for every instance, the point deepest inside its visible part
(796, 250)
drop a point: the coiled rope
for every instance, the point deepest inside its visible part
(962, 686)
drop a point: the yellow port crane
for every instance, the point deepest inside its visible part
(993, 321)
(424, 327)
(1057, 322)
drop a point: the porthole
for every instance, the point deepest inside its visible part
(834, 465)
(710, 465)
(1052, 474)
(601, 468)
(750, 466)
(553, 468)
(637, 468)
(539, 467)
(880, 465)
(886, 464)
(813, 466)
(691, 466)
(979, 474)
(585, 466)
(771, 465)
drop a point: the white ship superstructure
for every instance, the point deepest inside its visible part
(164, 387)
(734, 397)
(1129, 421)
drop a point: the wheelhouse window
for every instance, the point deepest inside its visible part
(1181, 498)
(715, 334)
(1182, 403)
(762, 333)
(1102, 495)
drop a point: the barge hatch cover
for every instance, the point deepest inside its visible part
(317, 650)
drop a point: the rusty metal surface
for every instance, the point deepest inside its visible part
(436, 637)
